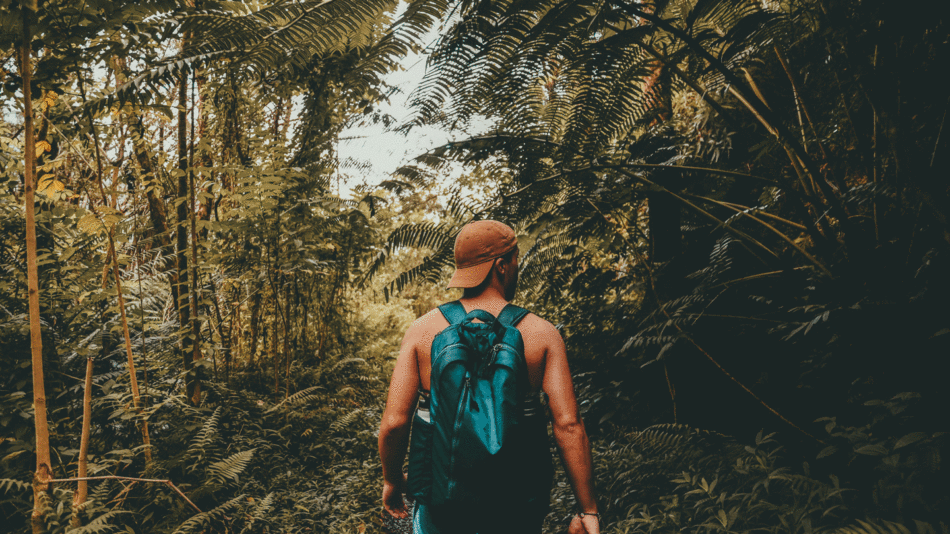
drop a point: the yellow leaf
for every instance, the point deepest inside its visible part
(48, 182)
(49, 99)
(88, 224)
(42, 146)
(723, 518)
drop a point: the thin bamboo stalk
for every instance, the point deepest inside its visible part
(42, 477)
(133, 380)
(82, 488)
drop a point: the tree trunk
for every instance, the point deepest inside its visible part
(255, 327)
(181, 239)
(328, 310)
(82, 490)
(225, 339)
(287, 351)
(274, 357)
(156, 206)
(208, 203)
(43, 474)
(195, 394)
(305, 342)
(235, 331)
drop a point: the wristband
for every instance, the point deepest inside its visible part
(582, 515)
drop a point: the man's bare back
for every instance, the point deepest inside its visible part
(540, 337)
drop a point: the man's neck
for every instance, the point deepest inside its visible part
(491, 300)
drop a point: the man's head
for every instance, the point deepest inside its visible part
(486, 251)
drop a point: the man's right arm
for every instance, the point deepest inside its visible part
(397, 420)
(569, 432)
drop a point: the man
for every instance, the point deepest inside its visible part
(486, 259)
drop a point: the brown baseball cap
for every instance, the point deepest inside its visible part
(477, 244)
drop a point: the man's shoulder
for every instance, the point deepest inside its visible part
(432, 318)
(541, 329)
(432, 322)
(534, 320)
(423, 329)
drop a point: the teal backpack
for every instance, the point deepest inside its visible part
(470, 446)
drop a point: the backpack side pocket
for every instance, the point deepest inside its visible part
(419, 480)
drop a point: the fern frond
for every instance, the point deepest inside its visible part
(438, 236)
(301, 397)
(260, 512)
(205, 436)
(100, 524)
(201, 522)
(9, 485)
(666, 437)
(344, 362)
(230, 468)
(346, 420)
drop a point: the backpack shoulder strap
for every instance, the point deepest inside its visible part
(453, 312)
(512, 315)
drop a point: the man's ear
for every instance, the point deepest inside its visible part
(500, 265)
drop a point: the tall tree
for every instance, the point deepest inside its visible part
(185, 298)
(43, 473)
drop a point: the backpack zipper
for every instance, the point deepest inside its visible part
(493, 355)
(466, 387)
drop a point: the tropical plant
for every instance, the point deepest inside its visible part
(719, 208)
(733, 211)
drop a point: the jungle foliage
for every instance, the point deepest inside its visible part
(735, 210)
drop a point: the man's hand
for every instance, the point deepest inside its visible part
(584, 525)
(393, 502)
(397, 420)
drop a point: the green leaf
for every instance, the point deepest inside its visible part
(872, 450)
(913, 437)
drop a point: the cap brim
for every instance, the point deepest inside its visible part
(470, 276)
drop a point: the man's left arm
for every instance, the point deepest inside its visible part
(397, 419)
